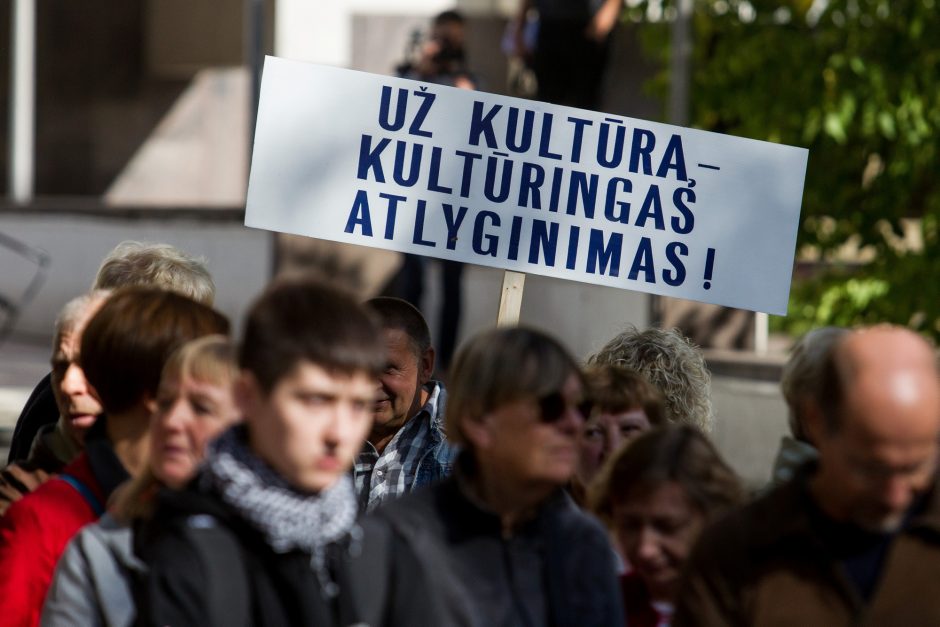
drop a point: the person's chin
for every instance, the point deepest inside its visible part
(82, 422)
(382, 412)
(881, 524)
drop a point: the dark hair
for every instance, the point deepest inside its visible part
(613, 388)
(126, 344)
(501, 366)
(448, 17)
(300, 320)
(670, 453)
(395, 313)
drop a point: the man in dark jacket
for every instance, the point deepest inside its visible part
(59, 443)
(407, 447)
(506, 545)
(266, 534)
(853, 539)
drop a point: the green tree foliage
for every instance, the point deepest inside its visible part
(857, 82)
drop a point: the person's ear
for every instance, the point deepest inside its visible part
(150, 404)
(813, 422)
(477, 432)
(426, 366)
(247, 393)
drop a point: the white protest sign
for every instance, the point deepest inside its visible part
(524, 186)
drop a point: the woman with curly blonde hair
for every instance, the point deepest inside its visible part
(674, 365)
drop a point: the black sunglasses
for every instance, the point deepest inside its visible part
(553, 407)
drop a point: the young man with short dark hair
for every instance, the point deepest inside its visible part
(266, 534)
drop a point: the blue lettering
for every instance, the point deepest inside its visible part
(466, 178)
(652, 208)
(359, 215)
(414, 171)
(481, 124)
(606, 257)
(683, 227)
(584, 187)
(579, 125)
(393, 201)
(533, 175)
(546, 240)
(528, 119)
(612, 204)
(489, 182)
(434, 173)
(546, 137)
(478, 236)
(602, 148)
(453, 224)
(371, 159)
(673, 159)
(399, 111)
(419, 226)
(643, 262)
(643, 143)
(673, 251)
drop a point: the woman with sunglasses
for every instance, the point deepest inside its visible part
(505, 542)
(657, 494)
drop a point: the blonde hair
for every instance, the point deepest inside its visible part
(210, 359)
(156, 265)
(672, 364)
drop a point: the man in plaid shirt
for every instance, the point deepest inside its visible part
(407, 447)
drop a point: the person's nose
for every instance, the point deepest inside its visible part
(338, 426)
(176, 416)
(571, 421)
(897, 493)
(647, 543)
(612, 441)
(74, 382)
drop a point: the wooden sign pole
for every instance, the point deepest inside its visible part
(510, 299)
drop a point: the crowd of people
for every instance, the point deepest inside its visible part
(316, 472)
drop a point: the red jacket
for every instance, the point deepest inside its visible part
(33, 535)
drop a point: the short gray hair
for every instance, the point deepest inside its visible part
(75, 311)
(802, 375)
(156, 265)
(670, 362)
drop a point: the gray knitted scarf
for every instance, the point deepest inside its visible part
(287, 519)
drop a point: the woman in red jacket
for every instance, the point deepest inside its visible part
(123, 350)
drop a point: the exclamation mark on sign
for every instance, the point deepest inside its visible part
(709, 267)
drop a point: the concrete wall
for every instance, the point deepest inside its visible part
(238, 258)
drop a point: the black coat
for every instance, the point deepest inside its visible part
(208, 567)
(560, 564)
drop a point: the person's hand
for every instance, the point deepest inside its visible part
(604, 20)
(29, 480)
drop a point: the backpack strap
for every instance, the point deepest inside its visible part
(86, 493)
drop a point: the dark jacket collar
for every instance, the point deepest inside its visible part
(108, 470)
(786, 513)
(480, 517)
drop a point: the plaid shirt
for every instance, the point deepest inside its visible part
(382, 478)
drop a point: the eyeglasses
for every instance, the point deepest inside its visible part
(554, 404)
